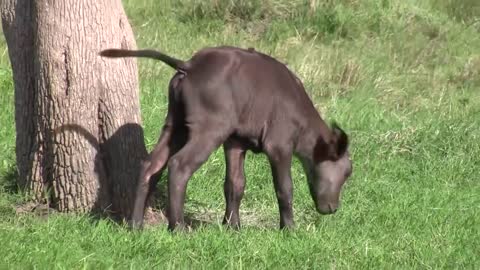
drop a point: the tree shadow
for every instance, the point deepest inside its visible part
(106, 203)
(115, 199)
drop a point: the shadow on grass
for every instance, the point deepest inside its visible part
(156, 213)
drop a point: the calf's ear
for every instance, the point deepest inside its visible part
(339, 142)
(334, 149)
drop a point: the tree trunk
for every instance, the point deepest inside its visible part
(79, 139)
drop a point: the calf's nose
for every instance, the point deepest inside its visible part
(332, 208)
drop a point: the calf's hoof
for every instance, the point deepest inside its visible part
(287, 227)
(135, 225)
(178, 228)
(234, 225)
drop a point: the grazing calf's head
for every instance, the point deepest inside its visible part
(328, 170)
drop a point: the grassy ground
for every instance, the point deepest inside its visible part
(402, 78)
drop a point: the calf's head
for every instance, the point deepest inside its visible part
(327, 170)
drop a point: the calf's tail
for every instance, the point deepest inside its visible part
(172, 62)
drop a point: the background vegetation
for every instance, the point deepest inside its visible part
(401, 77)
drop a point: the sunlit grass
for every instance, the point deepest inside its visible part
(401, 77)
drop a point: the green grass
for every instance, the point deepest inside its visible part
(401, 77)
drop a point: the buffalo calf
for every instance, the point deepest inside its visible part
(245, 100)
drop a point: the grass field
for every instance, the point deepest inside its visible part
(401, 77)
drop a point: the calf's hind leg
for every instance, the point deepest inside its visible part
(167, 145)
(234, 185)
(155, 163)
(184, 163)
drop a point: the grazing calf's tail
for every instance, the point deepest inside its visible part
(172, 62)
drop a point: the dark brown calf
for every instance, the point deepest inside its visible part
(244, 100)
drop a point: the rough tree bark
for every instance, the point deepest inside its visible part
(79, 139)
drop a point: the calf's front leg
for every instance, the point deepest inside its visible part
(280, 163)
